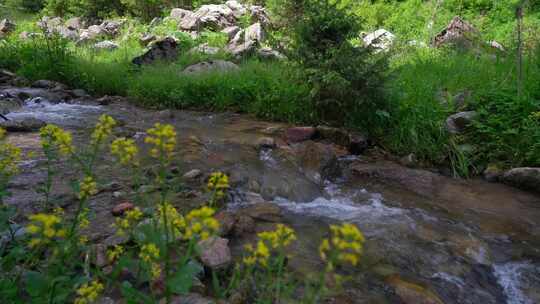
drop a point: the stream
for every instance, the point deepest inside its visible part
(430, 239)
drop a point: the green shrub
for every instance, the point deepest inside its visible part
(345, 80)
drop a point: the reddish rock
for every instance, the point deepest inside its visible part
(121, 208)
(266, 212)
(215, 252)
(299, 134)
(411, 293)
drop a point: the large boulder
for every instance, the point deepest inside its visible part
(270, 54)
(93, 32)
(111, 28)
(211, 66)
(525, 178)
(259, 14)
(6, 27)
(318, 161)
(458, 33)
(67, 32)
(212, 16)
(231, 31)
(457, 123)
(380, 39)
(163, 50)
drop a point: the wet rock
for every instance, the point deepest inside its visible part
(122, 208)
(459, 122)
(25, 125)
(193, 174)
(318, 161)
(145, 39)
(191, 298)
(243, 225)
(299, 134)
(492, 173)
(9, 104)
(75, 23)
(106, 45)
(45, 84)
(411, 293)
(211, 66)
(266, 212)
(215, 252)
(79, 93)
(470, 248)
(409, 160)
(231, 31)
(6, 27)
(163, 50)
(380, 39)
(335, 135)
(266, 142)
(525, 178)
(226, 222)
(268, 53)
(458, 33)
(358, 143)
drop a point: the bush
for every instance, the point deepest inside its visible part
(345, 80)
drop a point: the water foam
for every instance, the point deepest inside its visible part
(512, 278)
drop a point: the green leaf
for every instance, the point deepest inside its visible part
(183, 279)
(133, 295)
(36, 284)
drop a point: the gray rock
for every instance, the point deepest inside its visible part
(75, 23)
(497, 46)
(180, 14)
(409, 160)
(49, 24)
(9, 104)
(6, 27)
(215, 252)
(318, 162)
(259, 14)
(255, 32)
(106, 45)
(24, 125)
(243, 49)
(231, 31)
(238, 9)
(146, 39)
(79, 93)
(46, 84)
(193, 174)
(111, 28)
(525, 178)
(162, 50)
(270, 54)
(457, 123)
(204, 49)
(212, 16)
(211, 66)
(380, 39)
(29, 35)
(91, 33)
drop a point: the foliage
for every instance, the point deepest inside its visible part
(345, 81)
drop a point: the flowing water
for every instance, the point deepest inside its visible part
(466, 242)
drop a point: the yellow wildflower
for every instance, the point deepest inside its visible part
(155, 271)
(132, 217)
(10, 155)
(163, 140)
(201, 224)
(218, 183)
(279, 238)
(149, 253)
(115, 253)
(88, 187)
(103, 129)
(258, 255)
(344, 246)
(125, 150)
(44, 228)
(176, 222)
(53, 136)
(83, 239)
(88, 293)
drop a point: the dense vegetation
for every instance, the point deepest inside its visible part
(395, 96)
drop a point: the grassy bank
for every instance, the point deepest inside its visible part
(420, 89)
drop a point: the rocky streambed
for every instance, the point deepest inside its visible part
(430, 239)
